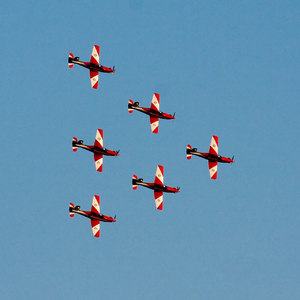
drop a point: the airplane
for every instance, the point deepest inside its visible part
(154, 112)
(94, 215)
(97, 149)
(158, 186)
(212, 156)
(93, 66)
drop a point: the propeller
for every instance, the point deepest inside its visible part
(113, 67)
(178, 188)
(232, 159)
(115, 217)
(173, 117)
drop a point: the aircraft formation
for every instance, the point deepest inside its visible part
(99, 151)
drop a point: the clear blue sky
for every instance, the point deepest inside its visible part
(227, 68)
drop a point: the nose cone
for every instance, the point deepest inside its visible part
(229, 160)
(169, 116)
(112, 153)
(109, 219)
(108, 70)
(173, 190)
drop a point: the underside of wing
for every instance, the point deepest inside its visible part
(213, 149)
(94, 75)
(95, 55)
(154, 124)
(155, 102)
(99, 138)
(98, 162)
(159, 200)
(159, 175)
(96, 204)
(95, 227)
(213, 167)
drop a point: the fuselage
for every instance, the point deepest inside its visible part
(153, 113)
(210, 156)
(157, 187)
(96, 150)
(91, 66)
(93, 216)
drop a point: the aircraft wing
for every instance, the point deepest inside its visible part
(154, 124)
(99, 138)
(98, 162)
(95, 227)
(159, 200)
(94, 75)
(213, 167)
(95, 55)
(213, 149)
(159, 176)
(96, 204)
(155, 102)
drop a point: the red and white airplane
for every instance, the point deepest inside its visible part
(158, 186)
(154, 112)
(212, 156)
(94, 215)
(93, 66)
(97, 149)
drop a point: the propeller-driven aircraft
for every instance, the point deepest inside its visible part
(94, 215)
(158, 186)
(97, 149)
(93, 66)
(212, 156)
(154, 112)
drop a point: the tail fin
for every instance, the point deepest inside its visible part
(188, 149)
(71, 56)
(134, 179)
(71, 210)
(74, 147)
(130, 102)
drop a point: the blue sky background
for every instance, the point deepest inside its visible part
(227, 68)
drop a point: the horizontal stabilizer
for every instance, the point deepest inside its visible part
(130, 102)
(71, 56)
(74, 147)
(188, 155)
(134, 179)
(71, 210)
